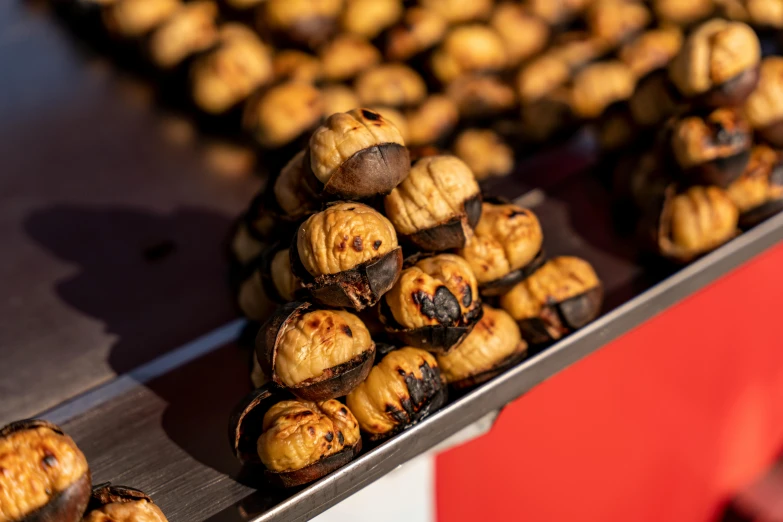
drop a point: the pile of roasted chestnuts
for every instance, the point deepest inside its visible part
(45, 477)
(380, 281)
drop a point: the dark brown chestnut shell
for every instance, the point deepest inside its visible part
(106, 493)
(246, 426)
(559, 319)
(732, 92)
(507, 282)
(264, 265)
(450, 234)
(69, 504)
(474, 380)
(370, 172)
(720, 171)
(335, 382)
(436, 338)
(357, 288)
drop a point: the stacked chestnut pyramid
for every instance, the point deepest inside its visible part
(346, 314)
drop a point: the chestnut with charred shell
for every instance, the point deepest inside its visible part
(434, 304)
(45, 476)
(121, 504)
(402, 389)
(335, 344)
(764, 106)
(718, 65)
(505, 247)
(357, 154)
(694, 222)
(437, 204)
(563, 295)
(758, 192)
(494, 345)
(294, 441)
(347, 255)
(712, 149)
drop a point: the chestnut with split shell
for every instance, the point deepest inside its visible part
(121, 504)
(434, 304)
(270, 281)
(437, 204)
(45, 476)
(758, 192)
(357, 154)
(347, 255)
(294, 441)
(506, 247)
(494, 345)
(316, 354)
(402, 389)
(560, 297)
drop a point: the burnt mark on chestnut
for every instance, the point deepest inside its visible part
(444, 308)
(377, 244)
(357, 244)
(370, 115)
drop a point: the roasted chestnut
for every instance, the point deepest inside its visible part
(346, 56)
(291, 64)
(653, 101)
(436, 204)
(652, 50)
(134, 18)
(616, 21)
(191, 29)
(557, 12)
(718, 64)
(271, 281)
(469, 49)
(227, 75)
(523, 34)
(292, 192)
(579, 48)
(419, 30)
(45, 476)
(493, 346)
(358, 154)
(307, 23)
(283, 113)
(431, 121)
(347, 255)
(712, 149)
(459, 11)
(598, 86)
(402, 389)
(695, 222)
(506, 247)
(563, 295)
(683, 13)
(434, 304)
(392, 85)
(121, 504)
(369, 17)
(541, 76)
(481, 96)
(758, 192)
(338, 98)
(759, 13)
(485, 152)
(764, 106)
(294, 441)
(315, 354)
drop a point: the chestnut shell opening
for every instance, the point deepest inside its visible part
(559, 319)
(334, 382)
(732, 92)
(358, 287)
(720, 171)
(507, 282)
(510, 361)
(449, 234)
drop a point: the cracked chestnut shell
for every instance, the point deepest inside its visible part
(402, 389)
(121, 504)
(469, 49)
(294, 441)
(271, 281)
(282, 114)
(357, 154)
(302, 23)
(347, 255)
(436, 204)
(45, 477)
(563, 295)
(695, 222)
(712, 149)
(718, 64)
(494, 345)
(434, 304)
(316, 354)
(764, 106)
(506, 247)
(758, 192)
(485, 152)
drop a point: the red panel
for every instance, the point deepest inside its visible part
(662, 424)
